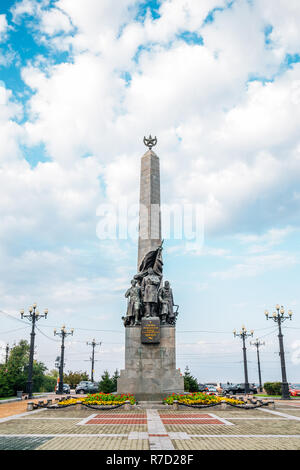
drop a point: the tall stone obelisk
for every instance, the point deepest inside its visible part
(150, 217)
(150, 345)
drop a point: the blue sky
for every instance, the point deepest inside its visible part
(218, 82)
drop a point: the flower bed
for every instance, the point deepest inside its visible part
(108, 399)
(198, 398)
(101, 399)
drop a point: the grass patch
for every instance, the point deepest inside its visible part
(272, 396)
(266, 395)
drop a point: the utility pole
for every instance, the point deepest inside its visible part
(63, 334)
(257, 344)
(93, 344)
(243, 335)
(279, 317)
(6, 353)
(33, 316)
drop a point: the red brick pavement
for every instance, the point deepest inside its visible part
(117, 421)
(192, 421)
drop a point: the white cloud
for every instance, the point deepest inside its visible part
(284, 18)
(253, 266)
(3, 27)
(48, 203)
(24, 7)
(10, 131)
(260, 243)
(74, 109)
(198, 249)
(55, 21)
(233, 138)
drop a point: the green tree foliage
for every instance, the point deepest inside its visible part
(190, 383)
(114, 379)
(49, 383)
(73, 378)
(54, 373)
(13, 375)
(106, 385)
(273, 388)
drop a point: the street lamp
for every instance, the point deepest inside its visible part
(279, 317)
(257, 343)
(63, 334)
(93, 344)
(33, 316)
(243, 335)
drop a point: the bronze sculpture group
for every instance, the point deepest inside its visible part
(147, 297)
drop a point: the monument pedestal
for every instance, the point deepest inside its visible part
(150, 369)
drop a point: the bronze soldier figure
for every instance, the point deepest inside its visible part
(165, 297)
(134, 304)
(150, 286)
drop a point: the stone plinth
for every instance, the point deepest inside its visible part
(150, 369)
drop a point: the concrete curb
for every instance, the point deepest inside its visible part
(13, 400)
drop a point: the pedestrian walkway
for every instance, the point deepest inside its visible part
(188, 429)
(17, 407)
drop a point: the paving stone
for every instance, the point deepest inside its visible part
(239, 443)
(22, 443)
(253, 429)
(97, 443)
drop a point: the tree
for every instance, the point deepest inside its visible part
(190, 383)
(73, 378)
(53, 373)
(48, 384)
(13, 375)
(106, 385)
(115, 379)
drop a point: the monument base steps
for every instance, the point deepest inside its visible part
(155, 405)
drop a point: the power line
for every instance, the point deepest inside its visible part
(219, 332)
(118, 331)
(12, 317)
(46, 336)
(86, 329)
(12, 331)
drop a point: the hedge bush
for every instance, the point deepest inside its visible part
(273, 388)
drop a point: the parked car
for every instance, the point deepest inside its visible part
(66, 388)
(87, 387)
(227, 388)
(212, 391)
(239, 388)
(202, 388)
(294, 390)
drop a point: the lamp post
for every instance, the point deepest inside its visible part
(93, 344)
(257, 344)
(243, 335)
(33, 316)
(279, 317)
(63, 334)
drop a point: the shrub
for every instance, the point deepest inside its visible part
(273, 388)
(190, 383)
(198, 398)
(102, 399)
